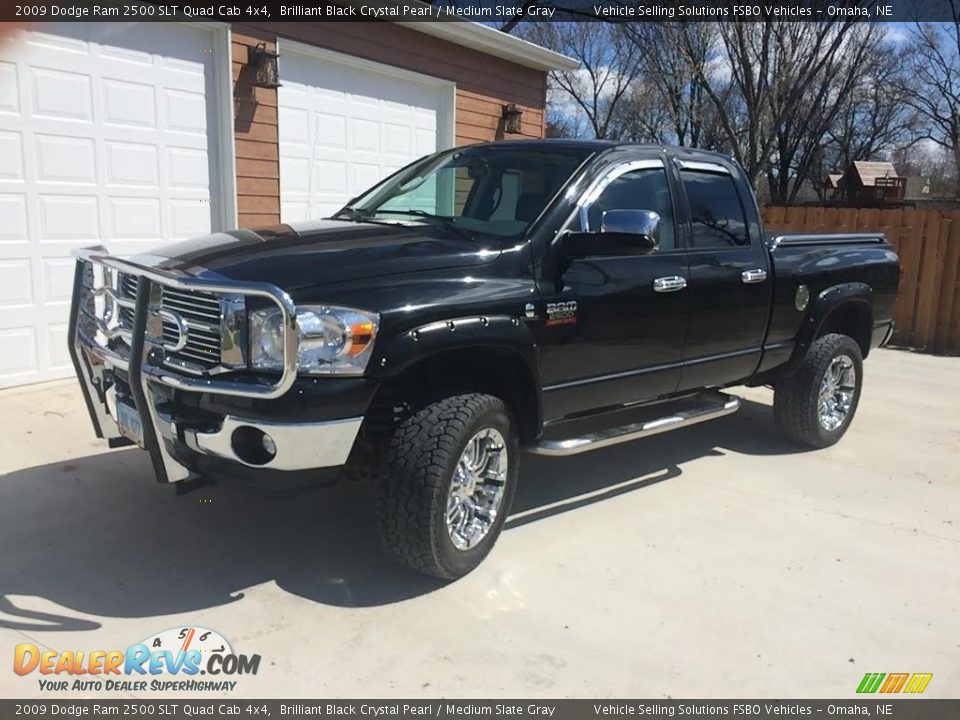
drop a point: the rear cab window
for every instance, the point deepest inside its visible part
(717, 217)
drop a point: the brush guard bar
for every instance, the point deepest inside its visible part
(94, 362)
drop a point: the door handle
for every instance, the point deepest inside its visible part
(669, 284)
(753, 276)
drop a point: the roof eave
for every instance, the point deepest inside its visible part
(493, 42)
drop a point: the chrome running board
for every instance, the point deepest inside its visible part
(711, 404)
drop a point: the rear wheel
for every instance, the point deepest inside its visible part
(447, 482)
(815, 404)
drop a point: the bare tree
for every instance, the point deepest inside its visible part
(609, 65)
(933, 88)
(642, 115)
(788, 100)
(874, 118)
(787, 78)
(674, 73)
(801, 135)
(930, 163)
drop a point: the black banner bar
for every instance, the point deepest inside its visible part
(493, 11)
(875, 707)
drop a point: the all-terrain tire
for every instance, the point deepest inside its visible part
(797, 396)
(416, 475)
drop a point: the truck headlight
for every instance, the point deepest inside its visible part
(332, 340)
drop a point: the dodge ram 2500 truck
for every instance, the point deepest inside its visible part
(553, 296)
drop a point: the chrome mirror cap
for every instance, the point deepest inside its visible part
(632, 222)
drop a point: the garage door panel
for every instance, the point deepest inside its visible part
(343, 128)
(129, 163)
(18, 352)
(68, 217)
(331, 131)
(62, 158)
(128, 103)
(9, 88)
(16, 286)
(187, 169)
(364, 176)
(13, 218)
(187, 218)
(56, 350)
(295, 121)
(365, 135)
(186, 112)
(134, 219)
(104, 138)
(57, 277)
(11, 155)
(59, 94)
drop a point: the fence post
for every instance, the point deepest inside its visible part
(928, 282)
(947, 335)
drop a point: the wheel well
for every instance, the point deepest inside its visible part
(498, 371)
(850, 318)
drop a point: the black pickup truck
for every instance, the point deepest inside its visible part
(557, 296)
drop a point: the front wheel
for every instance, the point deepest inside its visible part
(448, 479)
(815, 404)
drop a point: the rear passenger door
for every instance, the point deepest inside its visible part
(728, 296)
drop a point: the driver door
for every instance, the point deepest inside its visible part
(614, 326)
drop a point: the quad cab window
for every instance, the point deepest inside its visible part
(644, 189)
(717, 219)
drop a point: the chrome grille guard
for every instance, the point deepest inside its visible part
(92, 360)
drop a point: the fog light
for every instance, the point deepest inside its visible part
(253, 446)
(269, 445)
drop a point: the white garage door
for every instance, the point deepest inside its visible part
(346, 123)
(104, 139)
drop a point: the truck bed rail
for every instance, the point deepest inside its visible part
(775, 240)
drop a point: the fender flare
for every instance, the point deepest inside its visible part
(828, 301)
(460, 333)
(479, 332)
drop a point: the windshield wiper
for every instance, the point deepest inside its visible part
(445, 220)
(351, 214)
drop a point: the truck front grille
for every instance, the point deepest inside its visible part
(128, 290)
(201, 313)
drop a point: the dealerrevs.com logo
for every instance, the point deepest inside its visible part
(173, 660)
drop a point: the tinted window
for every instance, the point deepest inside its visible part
(637, 190)
(494, 190)
(716, 216)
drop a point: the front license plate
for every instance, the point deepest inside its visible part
(129, 421)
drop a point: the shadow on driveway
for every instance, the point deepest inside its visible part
(96, 535)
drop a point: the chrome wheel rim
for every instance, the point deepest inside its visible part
(477, 489)
(836, 392)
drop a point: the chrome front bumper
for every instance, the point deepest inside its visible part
(299, 446)
(151, 386)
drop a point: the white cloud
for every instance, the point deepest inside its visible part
(895, 33)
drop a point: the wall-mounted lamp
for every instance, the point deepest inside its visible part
(511, 118)
(265, 67)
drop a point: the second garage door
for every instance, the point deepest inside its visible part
(346, 123)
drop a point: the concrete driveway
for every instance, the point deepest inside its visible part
(717, 561)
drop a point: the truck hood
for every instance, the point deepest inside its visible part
(312, 253)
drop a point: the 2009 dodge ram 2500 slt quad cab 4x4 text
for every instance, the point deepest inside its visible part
(558, 296)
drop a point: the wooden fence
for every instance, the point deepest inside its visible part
(927, 312)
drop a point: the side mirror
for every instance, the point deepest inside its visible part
(632, 222)
(622, 232)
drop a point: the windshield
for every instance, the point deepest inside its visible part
(477, 191)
